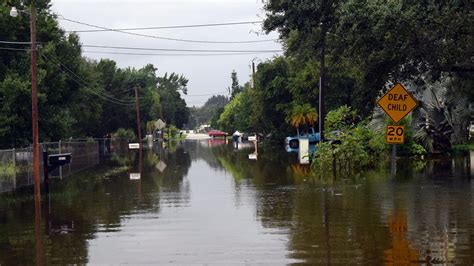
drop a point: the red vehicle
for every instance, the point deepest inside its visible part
(217, 133)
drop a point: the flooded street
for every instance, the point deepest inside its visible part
(201, 202)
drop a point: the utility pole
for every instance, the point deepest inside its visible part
(253, 74)
(137, 103)
(34, 121)
(34, 128)
(322, 76)
(253, 87)
(34, 103)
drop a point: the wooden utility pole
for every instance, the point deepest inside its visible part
(34, 126)
(253, 87)
(322, 77)
(137, 103)
(34, 103)
(253, 74)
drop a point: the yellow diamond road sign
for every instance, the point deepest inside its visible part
(397, 103)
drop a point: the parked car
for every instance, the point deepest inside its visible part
(217, 133)
(293, 141)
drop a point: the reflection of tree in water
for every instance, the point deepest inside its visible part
(177, 167)
(83, 205)
(170, 164)
(348, 220)
(76, 210)
(322, 225)
(435, 203)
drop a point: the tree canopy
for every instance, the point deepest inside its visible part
(77, 97)
(370, 45)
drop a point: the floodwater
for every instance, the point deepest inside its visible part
(201, 202)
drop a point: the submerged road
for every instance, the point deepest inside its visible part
(196, 136)
(202, 202)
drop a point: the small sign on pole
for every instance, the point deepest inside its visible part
(160, 124)
(133, 146)
(135, 176)
(395, 135)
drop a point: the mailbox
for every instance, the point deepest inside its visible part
(55, 160)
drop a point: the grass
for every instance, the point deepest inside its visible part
(464, 147)
(175, 137)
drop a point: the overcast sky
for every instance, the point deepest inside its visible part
(206, 74)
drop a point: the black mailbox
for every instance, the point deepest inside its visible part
(56, 160)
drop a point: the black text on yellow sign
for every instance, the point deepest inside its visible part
(395, 135)
(397, 102)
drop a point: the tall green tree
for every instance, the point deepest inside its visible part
(174, 109)
(371, 42)
(235, 88)
(203, 115)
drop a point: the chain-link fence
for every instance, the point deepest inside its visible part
(16, 165)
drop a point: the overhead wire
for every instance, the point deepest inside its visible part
(76, 78)
(175, 26)
(56, 60)
(14, 42)
(82, 82)
(179, 50)
(162, 54)
(13, 49)
(161, 37)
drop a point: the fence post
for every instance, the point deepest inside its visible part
(30, 163)
(73, 153)
(60, 167)
(14, 168)
(98, 153)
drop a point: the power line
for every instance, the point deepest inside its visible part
(12, 42)
(13, 49)
(181, 50)
(81, 82)
(174, 27)
(156, 54)
(163, 38)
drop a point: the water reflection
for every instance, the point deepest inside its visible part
(201, 203)
(38, 233)
(400, 252)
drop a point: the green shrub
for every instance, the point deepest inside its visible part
(173, 130)
(342, 118)
(358, 145)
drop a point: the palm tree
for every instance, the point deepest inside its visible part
(302, 115)
(444, 118)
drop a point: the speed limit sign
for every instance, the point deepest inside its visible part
(395, 135)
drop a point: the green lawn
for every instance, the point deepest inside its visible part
(464, 147)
